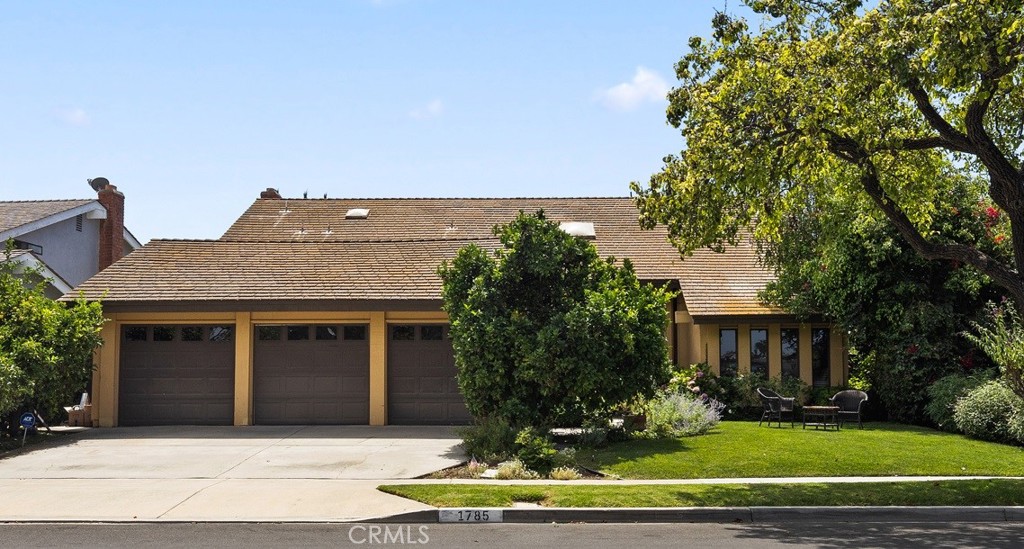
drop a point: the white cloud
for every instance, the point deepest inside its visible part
(433, 109)
(646, 86)
(73, 116)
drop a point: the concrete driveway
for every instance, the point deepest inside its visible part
(288, 473)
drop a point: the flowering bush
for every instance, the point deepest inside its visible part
(679, 414)
(697, 380)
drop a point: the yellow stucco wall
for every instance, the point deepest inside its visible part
(704, 347)
(692, 343)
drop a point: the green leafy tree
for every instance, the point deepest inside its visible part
(45, 346)
(885, 107)
(545, 332)
(899, 309)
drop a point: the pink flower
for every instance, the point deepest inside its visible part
(695, 389)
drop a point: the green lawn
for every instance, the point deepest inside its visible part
(738, 449)
(960, 492)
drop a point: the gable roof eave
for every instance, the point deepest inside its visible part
(48, 220)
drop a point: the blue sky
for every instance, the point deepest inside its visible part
(192, 108)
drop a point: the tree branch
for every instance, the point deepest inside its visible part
(935, 119)
(1000, 274)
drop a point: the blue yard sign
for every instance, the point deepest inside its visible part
(28, 420)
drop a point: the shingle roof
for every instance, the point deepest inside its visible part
(14, 214)
(725, 284)
(307, 250)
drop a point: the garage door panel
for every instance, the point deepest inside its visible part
(175, 382)
(422, 388)
(311, 381)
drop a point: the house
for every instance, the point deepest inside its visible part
(314, 311)
(68, 240)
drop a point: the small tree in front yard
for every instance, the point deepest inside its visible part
(45, 346)
(546, 332)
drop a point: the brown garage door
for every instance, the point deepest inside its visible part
(311, 375)
(176, 375)
(422, 389)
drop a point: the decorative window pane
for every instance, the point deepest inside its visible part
(790, 352)
(326, 333)
(432, 333)
(135, 333)
(403, 333)
(163, 333)
(821, 371)
(192, 333)
(759, 351)
(298, 333)
(728, 359)
(221, 333)
(355, 333)
(268, 333)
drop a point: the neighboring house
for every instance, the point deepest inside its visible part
(69, 240)
(329, 311)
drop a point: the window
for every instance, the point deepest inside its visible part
(326, 333)
(403, 333)
(298, 333)
(135, 333)
(432, 333)
(728, 359)
(790, 353)
(759, 351)
(192, 333)
(221, 333)
(268, 333)
(821, 371)
(355, 333)
(163, 333)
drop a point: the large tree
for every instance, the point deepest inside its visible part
(898, 308)
(887, 106)
(546, 332)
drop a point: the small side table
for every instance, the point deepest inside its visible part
(821, 416)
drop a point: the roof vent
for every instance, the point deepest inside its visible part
(357, 213)
(582, 229)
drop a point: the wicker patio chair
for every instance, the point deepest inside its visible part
(850, 403)
(775, 406)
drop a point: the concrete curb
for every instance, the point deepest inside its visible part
(748, 515)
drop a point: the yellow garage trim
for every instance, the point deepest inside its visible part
(378, 370)
(175, 318)
(243, 369)
(308, 317)
(416, 316)
(104, 384)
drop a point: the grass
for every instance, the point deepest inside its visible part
(958, 492)
(738, 449)
(11, 444)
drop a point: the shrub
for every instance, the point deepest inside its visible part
(944, 393)
(681, 414)
(1015, 425)
(565, 473)
(514, 470)
(535, 450)
(984, 413)
(490, 439)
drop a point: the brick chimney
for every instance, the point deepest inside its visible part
(111, 228)
(270, 193)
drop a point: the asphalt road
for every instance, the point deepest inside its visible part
(588, 536)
